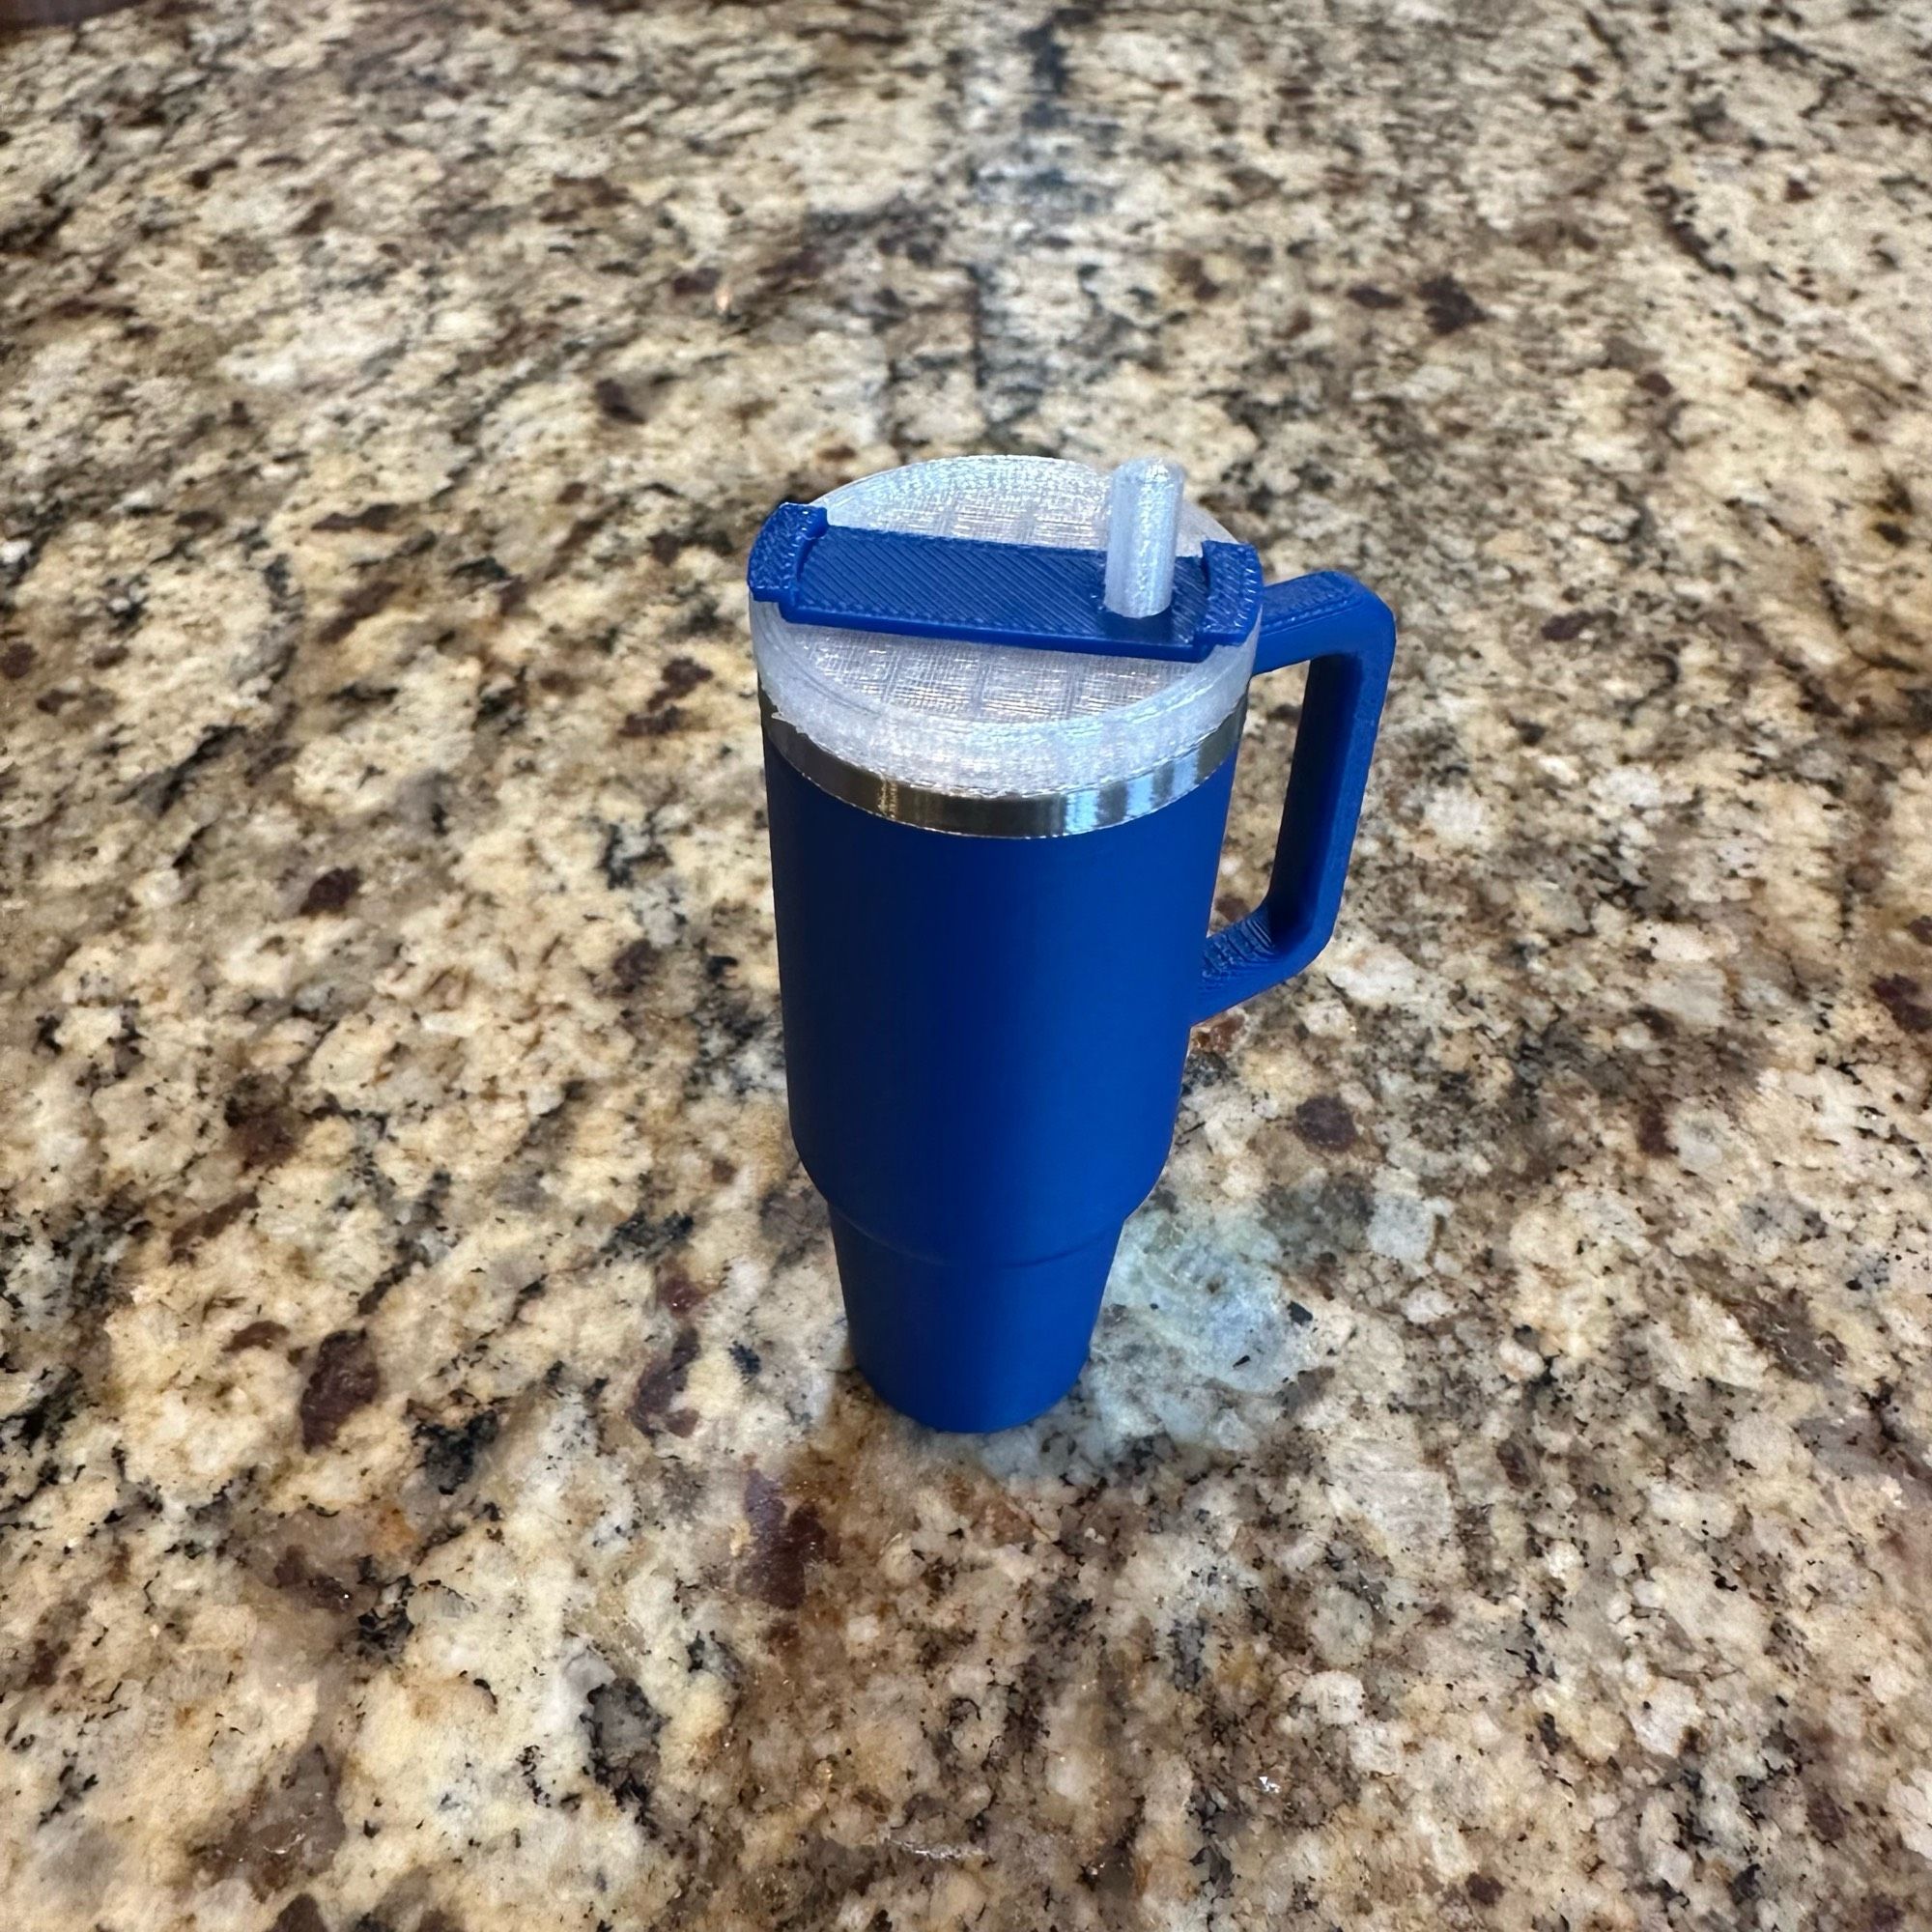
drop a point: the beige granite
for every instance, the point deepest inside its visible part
(435, 1491)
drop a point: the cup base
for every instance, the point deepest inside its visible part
(969, 1347)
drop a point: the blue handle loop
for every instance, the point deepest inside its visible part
(1345, 636)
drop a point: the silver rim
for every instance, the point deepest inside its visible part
(1047, 815)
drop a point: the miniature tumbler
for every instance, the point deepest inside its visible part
(1002, 697)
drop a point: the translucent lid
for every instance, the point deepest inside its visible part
(992, 720)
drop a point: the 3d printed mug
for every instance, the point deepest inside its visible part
(1003, 698)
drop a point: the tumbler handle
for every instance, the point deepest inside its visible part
(1345, 636)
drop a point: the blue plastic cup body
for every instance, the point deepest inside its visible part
(984, 1039)
(985, 1031)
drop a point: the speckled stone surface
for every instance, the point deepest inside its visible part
(435, 1491)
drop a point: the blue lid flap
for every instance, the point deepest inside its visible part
(817, 572)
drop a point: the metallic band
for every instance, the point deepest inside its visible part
(1040, 815)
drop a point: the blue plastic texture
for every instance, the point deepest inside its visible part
(984, 1046)
(846, 578)
(1345, 636)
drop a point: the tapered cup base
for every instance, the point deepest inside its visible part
(969, 1347)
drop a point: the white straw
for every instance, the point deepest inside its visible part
(1143, 520)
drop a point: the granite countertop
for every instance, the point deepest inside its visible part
(437, 1497)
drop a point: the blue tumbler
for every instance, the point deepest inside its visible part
(1002, 697)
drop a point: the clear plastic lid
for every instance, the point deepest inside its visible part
(992, 721)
